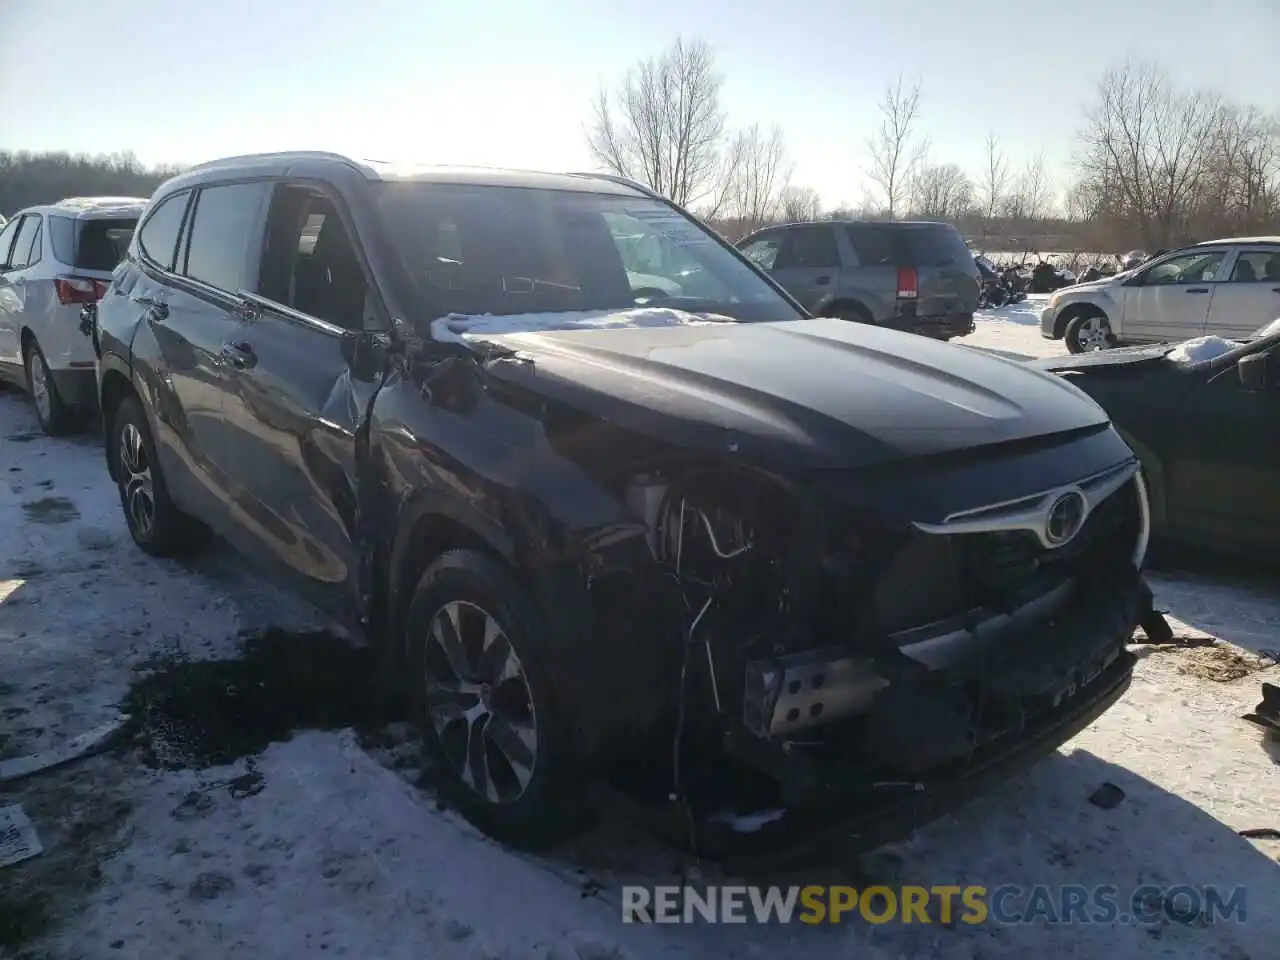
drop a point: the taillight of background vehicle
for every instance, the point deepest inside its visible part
(80, 289)
(908, 283)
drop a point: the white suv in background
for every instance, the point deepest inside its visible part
(1226, 288)
(54, 259)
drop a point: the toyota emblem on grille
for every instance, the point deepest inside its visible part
(1066, 517)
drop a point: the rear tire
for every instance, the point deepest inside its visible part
(855, 315)
(154, 521)
(500, 741)
(1089, 332)
(57, 417)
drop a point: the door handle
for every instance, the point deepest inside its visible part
(1275, 289)
(239, 354)
(1197, 290)
(822, 281)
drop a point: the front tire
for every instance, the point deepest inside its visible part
(1088, 332)
(499, 738)
(155, 522)
(57, 417)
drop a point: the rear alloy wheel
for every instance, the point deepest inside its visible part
(491, 724)
(155, 523)
(56, 417)
(1089, 332)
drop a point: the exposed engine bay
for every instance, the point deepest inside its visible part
(837, 656)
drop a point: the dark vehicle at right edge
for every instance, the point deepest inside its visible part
(663, 530)
(1203, 415)
(917, 276)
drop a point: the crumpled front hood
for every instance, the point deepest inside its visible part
(1121, 356)
(807, 393)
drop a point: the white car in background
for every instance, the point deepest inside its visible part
(54, 259)
(1224, 288)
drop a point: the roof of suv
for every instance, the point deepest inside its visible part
(852, 222)
(1238, 240)
(381, 170)
(89, 208)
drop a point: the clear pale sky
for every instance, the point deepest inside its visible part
(504, 83)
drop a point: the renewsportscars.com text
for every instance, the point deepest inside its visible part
(942, 904)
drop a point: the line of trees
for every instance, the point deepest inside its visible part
(1155, 166)
(28, 178)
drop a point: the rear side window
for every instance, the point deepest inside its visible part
(91, 244)
(871, 244)
(158, 238)
(906, 246)
(813, 247)
(933, 247)
(224, 245)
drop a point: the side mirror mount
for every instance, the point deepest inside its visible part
(1258, 372)
(1137, 280)
(367, 353)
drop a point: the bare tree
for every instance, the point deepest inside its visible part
(995, 178)
(761, 171)
(800, 204)
(1147, 148)
(1240, 192)
(941, 192)
(891, 149)
(1031, 197)
(663, 126)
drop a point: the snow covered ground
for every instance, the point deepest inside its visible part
(1014, 331)
(323, 845)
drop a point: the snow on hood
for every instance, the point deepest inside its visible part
(459, 328)
(1200, 349)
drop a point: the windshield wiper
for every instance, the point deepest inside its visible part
(534, 284)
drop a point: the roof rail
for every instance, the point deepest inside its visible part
(101, 201)
(282, 155)
(622, 181)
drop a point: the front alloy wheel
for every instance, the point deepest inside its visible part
(480, 703)
(1088, 333)
(497, 733)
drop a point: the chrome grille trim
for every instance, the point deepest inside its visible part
(1032, 513)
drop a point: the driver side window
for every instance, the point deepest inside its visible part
(311, 262)
(1198, 267)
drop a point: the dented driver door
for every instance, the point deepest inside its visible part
(293, 416)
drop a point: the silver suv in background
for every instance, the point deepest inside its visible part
(1226, 288)
(54, 259)
(913, 276)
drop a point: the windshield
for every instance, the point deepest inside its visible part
(508, 251)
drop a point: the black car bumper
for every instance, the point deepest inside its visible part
(1059, 675)
(939, 326)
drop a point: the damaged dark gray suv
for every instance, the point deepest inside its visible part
(665, 532)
